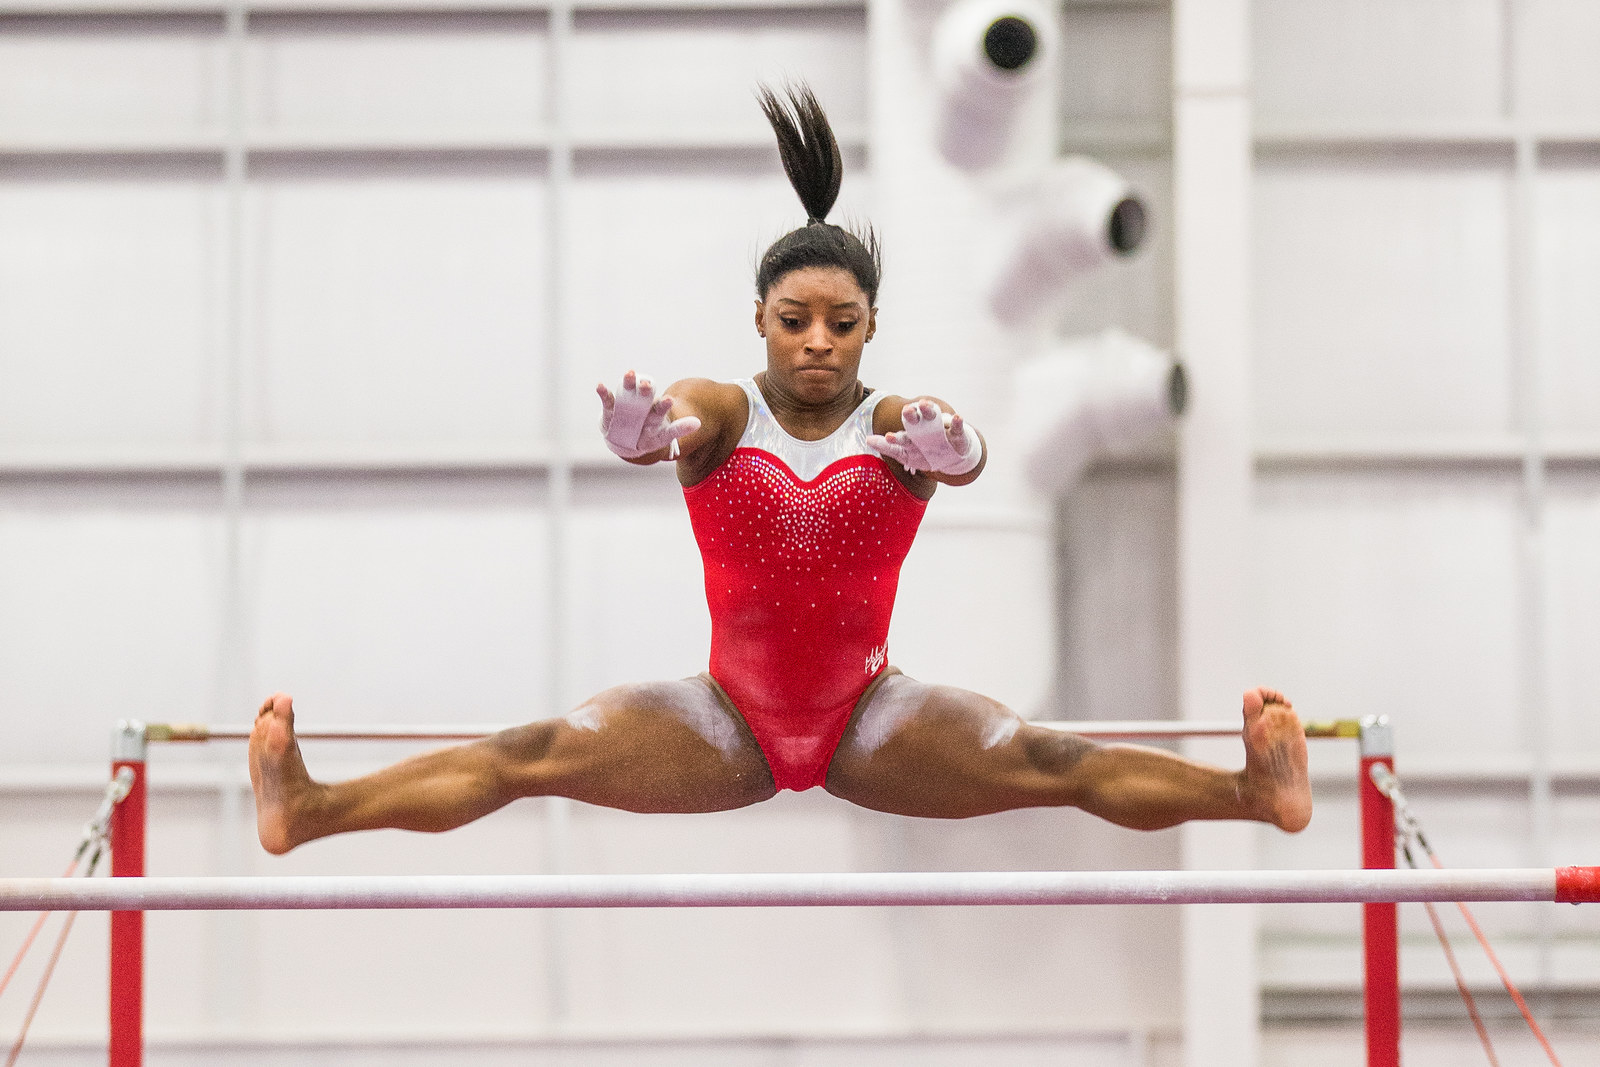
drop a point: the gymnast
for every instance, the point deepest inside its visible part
(804, 489)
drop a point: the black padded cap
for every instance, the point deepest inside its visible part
(1128, 225)
(1177, 389)
(1010, 42)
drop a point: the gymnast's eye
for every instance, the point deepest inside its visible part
(846, 326)
(789, 321)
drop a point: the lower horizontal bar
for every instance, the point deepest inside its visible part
(189, 732)
(779, 890)
(1105, 730)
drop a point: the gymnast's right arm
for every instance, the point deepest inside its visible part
(643, 428)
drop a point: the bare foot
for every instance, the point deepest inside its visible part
(1276, 784)
(283, 788)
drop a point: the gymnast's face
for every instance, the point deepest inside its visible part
(816, 321)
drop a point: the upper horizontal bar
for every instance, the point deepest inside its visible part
(793, 890)
(1107, 730)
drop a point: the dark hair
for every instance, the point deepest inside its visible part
(811, 160)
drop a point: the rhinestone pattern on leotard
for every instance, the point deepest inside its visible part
(801, 574)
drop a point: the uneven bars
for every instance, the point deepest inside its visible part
(1562, 884)
(1107, 730)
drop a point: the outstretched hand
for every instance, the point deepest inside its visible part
(636, 423)
(931, 441)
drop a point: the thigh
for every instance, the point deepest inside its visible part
(940, 752)
(651, 747)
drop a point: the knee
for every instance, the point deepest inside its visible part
(1054, 752)
(1058, 758)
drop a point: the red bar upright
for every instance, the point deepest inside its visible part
(1380, 922)
(126, 1047)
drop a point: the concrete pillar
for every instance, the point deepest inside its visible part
(1212, 161)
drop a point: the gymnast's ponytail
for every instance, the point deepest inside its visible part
(815, 168)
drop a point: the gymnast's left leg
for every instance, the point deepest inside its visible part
(941, 752)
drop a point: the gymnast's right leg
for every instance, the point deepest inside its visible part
(656, 747)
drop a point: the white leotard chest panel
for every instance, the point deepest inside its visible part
(806, 459)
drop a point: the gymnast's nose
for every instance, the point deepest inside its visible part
(818, 339)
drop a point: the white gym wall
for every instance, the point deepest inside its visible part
(300, 313)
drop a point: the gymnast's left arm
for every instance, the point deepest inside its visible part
(925, 436)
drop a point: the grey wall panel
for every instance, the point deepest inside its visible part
(690, 71)
(366, 76)
(1113, 966)
(733, 969)
(636, 593)
(107, 611)
(1568, 265)
(807, 971)
(1383, 60)
(1441, 1042)
(1095, 1049)
(1397, 594)
(1116, 568)
(1380, 304)
(1558, 40)
(108, 321)
(1085, 1051)
(112, 80)
(464, 972)
(1116, 62)
(985, 571)
(1572, 584)
(398, 308)
(400, 611)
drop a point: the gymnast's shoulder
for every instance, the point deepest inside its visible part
(721, 408)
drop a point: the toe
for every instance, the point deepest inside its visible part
(1253, 703)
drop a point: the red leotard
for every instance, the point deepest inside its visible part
(802, 543)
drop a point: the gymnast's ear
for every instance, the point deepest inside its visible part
(761, 314)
